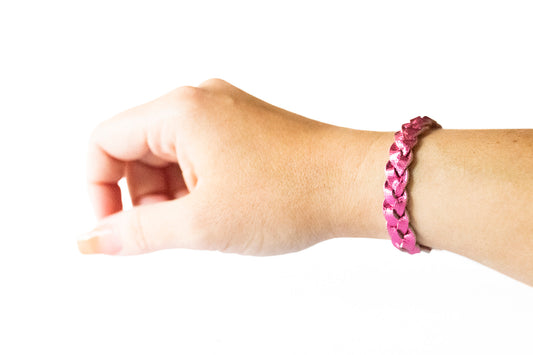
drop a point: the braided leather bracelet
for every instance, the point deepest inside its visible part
(395, 204)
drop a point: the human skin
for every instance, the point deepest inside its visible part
(214, 168)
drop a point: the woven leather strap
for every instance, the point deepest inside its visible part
(397, 177)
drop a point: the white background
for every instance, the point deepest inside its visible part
(67, 65)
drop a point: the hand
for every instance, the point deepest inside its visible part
(214, 168)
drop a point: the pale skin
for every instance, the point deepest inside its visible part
(214, 168)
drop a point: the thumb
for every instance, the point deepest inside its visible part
(145, 228)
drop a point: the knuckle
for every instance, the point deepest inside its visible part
(139, 238)
(203, 227)
(212, 83)
(199, 231)
(187, 95)
(94, 137)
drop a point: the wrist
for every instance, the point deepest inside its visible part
(357, 201)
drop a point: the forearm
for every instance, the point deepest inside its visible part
(469, 193)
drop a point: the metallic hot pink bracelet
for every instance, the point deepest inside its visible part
(395, 204)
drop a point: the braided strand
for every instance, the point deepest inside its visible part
(397, 178)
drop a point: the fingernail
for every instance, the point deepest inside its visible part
(97, 241)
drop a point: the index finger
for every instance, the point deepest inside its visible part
(113, 143)
(124, 138)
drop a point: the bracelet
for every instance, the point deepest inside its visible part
(397, 177)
